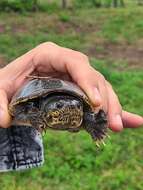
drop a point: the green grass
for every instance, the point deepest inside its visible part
(72, 162)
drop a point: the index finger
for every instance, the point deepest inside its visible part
(74, 63)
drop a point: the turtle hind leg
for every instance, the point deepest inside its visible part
(96, 125)
(95, 134)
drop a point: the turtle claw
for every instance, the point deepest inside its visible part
(97, 144)
(103, 142)
(108, 136)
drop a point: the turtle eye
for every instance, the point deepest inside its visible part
(59, 105)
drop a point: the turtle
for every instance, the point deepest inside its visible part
(52, 103)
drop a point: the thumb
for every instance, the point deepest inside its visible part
(4, 114)
(131, 120)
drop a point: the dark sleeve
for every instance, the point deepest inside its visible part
(20, 148)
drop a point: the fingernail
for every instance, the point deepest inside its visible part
(97, 97)
(141, 120)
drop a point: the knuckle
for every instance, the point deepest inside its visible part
(44, 46)
(119, 107)
(101, 78)
(47, 44)
(82, 56)
(43, 51)
(85, 57)
(109, 85)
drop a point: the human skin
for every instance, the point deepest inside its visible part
(49, 59)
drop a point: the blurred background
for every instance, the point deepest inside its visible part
(110, 32)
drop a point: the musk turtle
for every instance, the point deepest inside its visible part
(53, 103)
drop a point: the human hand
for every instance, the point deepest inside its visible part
(49, 59)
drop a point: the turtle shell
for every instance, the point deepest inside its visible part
(44, 86)
(77, 114)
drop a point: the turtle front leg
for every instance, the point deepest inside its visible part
(39, 124)
(96, 125)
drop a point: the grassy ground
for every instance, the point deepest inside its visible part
(114, 41)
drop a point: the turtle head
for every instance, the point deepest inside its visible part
(96, 124)
(62, 112)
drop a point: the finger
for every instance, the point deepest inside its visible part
(91, 90)
(104, 95)
(72, 62)
(114, 110)
(87, 78)
(90, 80)
(131, 120)
(4, 115)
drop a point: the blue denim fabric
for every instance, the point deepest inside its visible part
(20, 148)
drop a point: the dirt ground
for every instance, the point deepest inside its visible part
(132, 54)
